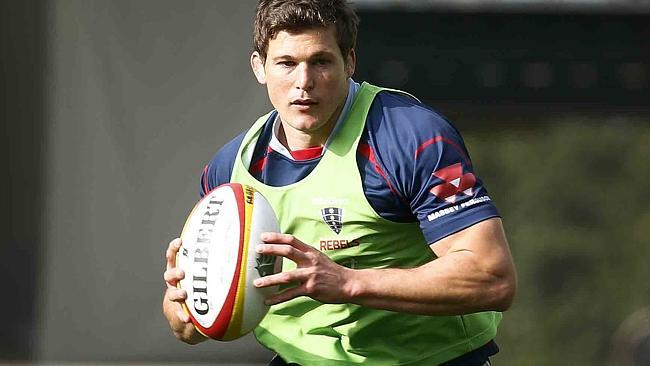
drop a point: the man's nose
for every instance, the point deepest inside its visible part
(304, 77)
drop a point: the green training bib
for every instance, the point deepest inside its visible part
(329, 211)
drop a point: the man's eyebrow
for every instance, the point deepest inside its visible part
(322, 53)
(326, 55)
(282, 57)
(315, 55)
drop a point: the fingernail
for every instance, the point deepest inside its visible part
(257, 282)
(259, 249)
(264, 236)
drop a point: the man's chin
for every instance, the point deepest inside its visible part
(306, 123)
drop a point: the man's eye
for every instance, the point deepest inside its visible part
(287, 63)
(322, 61)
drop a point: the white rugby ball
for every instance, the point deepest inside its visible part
(220, 263)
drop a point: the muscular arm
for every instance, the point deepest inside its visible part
(474, 272)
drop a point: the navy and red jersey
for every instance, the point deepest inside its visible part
(413, 164)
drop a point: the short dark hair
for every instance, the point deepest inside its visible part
(273, 16)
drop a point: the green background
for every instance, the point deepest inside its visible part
(573, 195)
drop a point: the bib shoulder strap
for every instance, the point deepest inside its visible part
(348, 136)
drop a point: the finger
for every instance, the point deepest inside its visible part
(183, 316)
(172, 276)
(285, 295)
(283, 250)
(279, 238)
(177, 295)
(171, 252)
(282, 278)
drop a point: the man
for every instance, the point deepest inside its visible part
(393, 251)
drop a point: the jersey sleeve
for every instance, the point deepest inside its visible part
(219, 170)
(430, 168)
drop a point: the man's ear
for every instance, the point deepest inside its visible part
(351, 63)
(257, 64)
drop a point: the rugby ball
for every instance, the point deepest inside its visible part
(220, 263)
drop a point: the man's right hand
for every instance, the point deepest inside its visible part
(179, 320)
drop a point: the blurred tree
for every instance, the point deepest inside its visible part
(574, 201)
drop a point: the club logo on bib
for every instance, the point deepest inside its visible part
(333, 217)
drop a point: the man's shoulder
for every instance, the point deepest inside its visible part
(228, 152)
(406, 111)
(219, 169)
(396, 116)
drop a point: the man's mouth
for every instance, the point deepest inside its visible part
(303, 102)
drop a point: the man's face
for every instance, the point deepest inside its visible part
(306, 78)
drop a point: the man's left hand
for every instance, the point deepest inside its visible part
(316, 275)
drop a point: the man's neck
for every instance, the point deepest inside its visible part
(294, 139)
